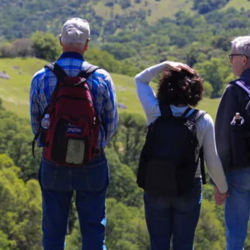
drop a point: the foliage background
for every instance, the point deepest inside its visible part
(126, 37)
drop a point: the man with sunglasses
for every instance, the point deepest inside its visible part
(234, 99)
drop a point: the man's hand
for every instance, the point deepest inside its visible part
(218, 197)
(177, 66)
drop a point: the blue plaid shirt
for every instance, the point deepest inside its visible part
(100, 84)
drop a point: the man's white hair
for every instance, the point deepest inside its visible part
(72, 42)
(75, 31)
(242, 45)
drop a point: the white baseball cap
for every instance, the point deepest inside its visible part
(75, 31)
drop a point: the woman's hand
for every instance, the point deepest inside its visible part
(218, 197)
(177, 66)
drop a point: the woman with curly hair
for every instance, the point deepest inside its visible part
(180, 89)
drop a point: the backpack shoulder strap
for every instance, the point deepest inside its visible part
(87, 71)
(203, 173)
(57, 70)
(196, 115)
(243, 86)
(186, 112)
(165, 110)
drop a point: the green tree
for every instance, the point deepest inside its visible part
(15, 141)
(107, 61)
(20, 208)
(208, 89)
(129, 139)
(214, 72)
(5, 244)
(1, 104)
(123, 228)
(222, 42)
(204, 6)
(126, 229)
(45, 45)
(210, 233)
(122, 185)
(120, 51)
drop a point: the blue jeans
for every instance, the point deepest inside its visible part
(173, 217)
(90, 185)
(237, 208)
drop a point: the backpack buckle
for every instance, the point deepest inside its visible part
(98, 151)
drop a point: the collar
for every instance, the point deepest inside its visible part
(246, 72)
(74, 55)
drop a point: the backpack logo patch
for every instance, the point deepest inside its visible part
(74, 130)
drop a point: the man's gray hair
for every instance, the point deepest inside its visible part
(242, 45)
(75, 31)
(72, 42)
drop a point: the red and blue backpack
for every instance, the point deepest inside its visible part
(72, 136)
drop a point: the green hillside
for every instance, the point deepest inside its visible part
(137, 33)
(21, 18)
(157, 9)
(15, 91)
(238, 4)
(126, 37)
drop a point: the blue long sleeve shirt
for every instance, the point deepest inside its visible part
(101, 87)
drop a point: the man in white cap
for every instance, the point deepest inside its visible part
(89, 181)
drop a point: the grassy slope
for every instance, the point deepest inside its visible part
(162, 8)
(238, 4)
(15, 92)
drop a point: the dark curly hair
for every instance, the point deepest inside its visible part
(180, 88)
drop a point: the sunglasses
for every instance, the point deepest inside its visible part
(232, 55)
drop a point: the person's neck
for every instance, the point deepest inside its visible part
(246, 69)
(74, 51)
(181, 105)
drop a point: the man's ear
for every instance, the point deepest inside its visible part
(60, 40)
(245, 60)
(86, 46)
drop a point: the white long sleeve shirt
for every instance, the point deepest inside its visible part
(205, 126)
